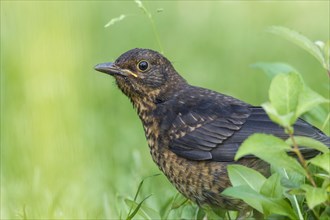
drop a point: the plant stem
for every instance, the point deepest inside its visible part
(301, 159)
(156, 35)
(153, 25)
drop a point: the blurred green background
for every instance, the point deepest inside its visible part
(71, 143)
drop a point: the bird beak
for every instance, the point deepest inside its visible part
(108, 68)
(113, 70)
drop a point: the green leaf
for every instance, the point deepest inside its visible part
(259, 202)
(284, 92)
(296, 191)
(241, 175)
(290, 179)
(299, 40)
(278, 206)
(308, 142)
(326, 51)
(270, 149)
(309, 99)
(318, 114)
(213, 212)
(322, 161)
(272, 187)
(288, 183)
(188, 211)
(247, 194)
(233, 214)
(314, 196)
(272, 69)
(283, 120)
(322, 176)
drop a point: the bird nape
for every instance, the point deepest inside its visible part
(194, 133)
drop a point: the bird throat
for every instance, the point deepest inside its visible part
(143, 100)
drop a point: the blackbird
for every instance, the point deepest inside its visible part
(193, 133)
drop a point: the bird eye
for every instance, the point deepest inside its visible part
(143, 65)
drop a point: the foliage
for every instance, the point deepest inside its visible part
(319, 49)
(305, 197)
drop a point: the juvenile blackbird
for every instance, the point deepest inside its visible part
(193, 133)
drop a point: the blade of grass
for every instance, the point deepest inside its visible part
(139, 189)
(141, 183)
(137, 208)
(153, 25)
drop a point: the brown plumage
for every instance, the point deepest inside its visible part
(193, 133)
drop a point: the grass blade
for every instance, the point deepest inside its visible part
(137, 208)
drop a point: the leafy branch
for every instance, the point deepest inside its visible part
(319, 49)
(285, 192)
(301, 159)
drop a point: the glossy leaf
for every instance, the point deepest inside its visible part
(322, 161)
(290, 179)
(270, 149)
(309, 143)
(247, 194)
(272, 187)
(284, 92)
(283, 120)
(309, 99)
(241, 175)
(314, 196)
(259, 202)
(278, 206)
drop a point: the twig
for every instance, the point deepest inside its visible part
(301, 159)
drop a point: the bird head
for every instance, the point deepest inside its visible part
(142, 73)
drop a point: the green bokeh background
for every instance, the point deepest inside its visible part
(71, 143)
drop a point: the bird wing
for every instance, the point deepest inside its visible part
(216, 133)
(200, 129)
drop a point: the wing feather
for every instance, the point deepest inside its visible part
(217, 137)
